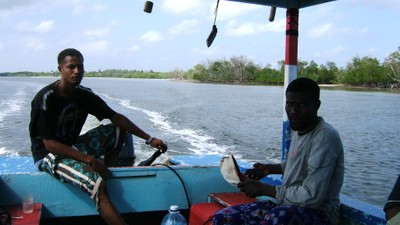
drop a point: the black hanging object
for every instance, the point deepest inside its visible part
(214, 29)
(212, 35)
(148, 6)
(272, 13)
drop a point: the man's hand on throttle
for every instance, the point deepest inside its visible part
(159, 144)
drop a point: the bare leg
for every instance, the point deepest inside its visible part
(107, 209)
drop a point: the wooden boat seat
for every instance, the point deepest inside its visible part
(18, 217)
(201, 213)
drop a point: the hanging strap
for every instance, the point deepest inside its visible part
(216, 12)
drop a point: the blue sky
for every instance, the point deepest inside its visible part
(119, 35)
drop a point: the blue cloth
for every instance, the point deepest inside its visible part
(268, 213)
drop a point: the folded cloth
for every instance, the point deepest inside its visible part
(230, 170)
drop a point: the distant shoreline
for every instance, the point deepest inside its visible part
(355, 88)
(323, 86)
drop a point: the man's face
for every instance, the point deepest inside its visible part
(301, 110)
(72, 70)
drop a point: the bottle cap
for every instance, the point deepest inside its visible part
(174, 208)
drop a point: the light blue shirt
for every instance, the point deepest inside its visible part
(314, 171)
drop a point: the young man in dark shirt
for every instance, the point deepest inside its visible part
(58, 114)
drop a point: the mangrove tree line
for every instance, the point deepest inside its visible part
(366, 71)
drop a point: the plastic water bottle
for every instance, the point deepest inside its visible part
(174, 217)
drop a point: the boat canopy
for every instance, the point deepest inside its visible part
(288, 4)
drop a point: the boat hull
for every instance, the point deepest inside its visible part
(141, 193)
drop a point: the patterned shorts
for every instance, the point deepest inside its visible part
(96, 142)
(268, 213)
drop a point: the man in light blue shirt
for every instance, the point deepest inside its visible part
(312, 172)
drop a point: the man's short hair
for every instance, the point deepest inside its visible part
(304, 85)
(68, 52)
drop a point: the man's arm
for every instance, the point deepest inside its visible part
(260, 170)
(271, 168)
(59, 148)
(126, 124)
(254, 188)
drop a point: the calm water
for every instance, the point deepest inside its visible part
(216, 119)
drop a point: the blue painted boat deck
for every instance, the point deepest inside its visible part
(16, 164)
(154, 184)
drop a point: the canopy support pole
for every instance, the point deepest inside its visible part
(292, 33)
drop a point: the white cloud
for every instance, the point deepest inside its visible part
(320, 31)
(242, 30)
(335, 51)
(78, 9)
(42, 27)
(95, 47)
(81, 7)
(381, 4)
(133, 48)
(330, 53)
(34, 44)
(229, 10)
(151, 36)
(235, 29)
(372, 50)
(328, 29)
(206, 51)
(179, 6)
(23, 27)
(7, 5)
(185, 27)
(277, 25)
(113, 23)
(101, 32)
(363, 30)
(99, 8)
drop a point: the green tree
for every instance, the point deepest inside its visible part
(364, 71)
(392, 66)
(328, 73)
(243, 69)
(268, 75)
(309, 70)
(199, 72)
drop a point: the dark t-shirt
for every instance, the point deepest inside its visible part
(56, 117)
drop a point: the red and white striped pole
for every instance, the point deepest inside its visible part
(292, 33)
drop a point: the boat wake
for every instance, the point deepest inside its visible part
(199, 143)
